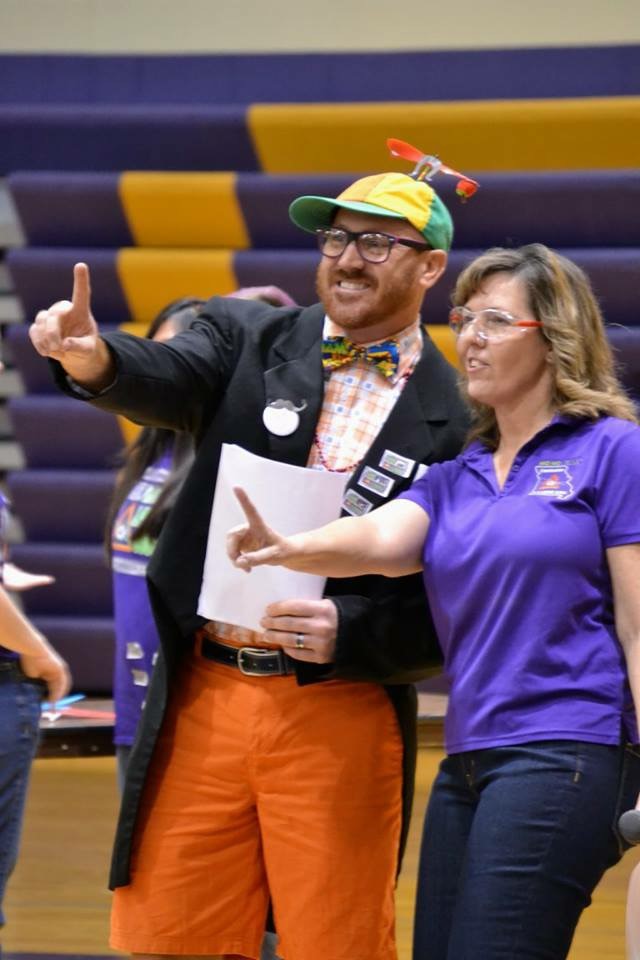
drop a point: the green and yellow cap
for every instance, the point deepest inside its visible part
(382, 195)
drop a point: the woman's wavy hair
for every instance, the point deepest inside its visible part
(151, 443)
(585, 383)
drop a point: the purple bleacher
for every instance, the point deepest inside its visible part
(122, 137)
(597, 208)
(614, 274)
(34, 369)
(82, 578)
(87, 644)
(264, 201)
(43, 275)
(333, 77)
(626, 347)
(584, 208)
(291, 270)
(58, 432)
(61, 505)
(65, 209)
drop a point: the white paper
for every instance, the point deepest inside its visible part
(290, 499)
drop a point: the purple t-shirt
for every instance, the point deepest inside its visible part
(135, 631)
(519, 586)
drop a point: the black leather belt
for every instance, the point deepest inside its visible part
(252, 661)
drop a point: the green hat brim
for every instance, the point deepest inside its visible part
(312, 213)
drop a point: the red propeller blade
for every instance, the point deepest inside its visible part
(399, 148)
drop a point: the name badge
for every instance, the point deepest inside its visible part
(394, 463)
(355, 504)
(376, 482)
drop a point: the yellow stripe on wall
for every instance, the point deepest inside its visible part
(152, 278)
(589, 133)
(183, 210)
(444, 341)
(137, 329)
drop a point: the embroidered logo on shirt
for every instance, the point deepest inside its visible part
(553, 479)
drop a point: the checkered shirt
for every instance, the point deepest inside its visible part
(357, 401)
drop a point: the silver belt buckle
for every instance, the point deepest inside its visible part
(254, 652)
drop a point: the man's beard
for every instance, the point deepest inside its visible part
(378, 304)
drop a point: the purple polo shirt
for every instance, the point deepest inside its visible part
(519, 585)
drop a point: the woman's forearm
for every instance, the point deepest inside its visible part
(16, 633)
(388, 542)
(344, 548)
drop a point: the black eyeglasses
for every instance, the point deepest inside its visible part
(373, 247)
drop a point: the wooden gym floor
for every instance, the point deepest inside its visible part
(57, 901)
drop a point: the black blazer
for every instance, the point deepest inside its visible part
(214, 381)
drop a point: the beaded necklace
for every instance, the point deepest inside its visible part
(402, 379)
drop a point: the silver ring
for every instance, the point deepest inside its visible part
(300, 641)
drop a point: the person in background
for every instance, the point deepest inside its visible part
(29, 669)
(529, 543)
(154, 467)
(280, 763)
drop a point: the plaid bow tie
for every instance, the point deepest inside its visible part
(384, 356)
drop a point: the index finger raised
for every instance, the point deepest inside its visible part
(81, 288)
(250, 511)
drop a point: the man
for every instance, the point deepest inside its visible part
(287, 775)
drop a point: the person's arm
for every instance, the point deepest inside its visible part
(624, 566)
(67, 332)
(387, 541)
(38, 659)
(175, 385)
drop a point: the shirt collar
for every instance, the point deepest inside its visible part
(477, 450)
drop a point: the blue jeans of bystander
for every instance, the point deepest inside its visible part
(20, 701)
(515, 840)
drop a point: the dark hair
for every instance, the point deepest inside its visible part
(151, 442)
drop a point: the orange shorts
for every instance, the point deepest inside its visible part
(260, 787)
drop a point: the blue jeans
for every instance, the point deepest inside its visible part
(20, 701)
(515, 841)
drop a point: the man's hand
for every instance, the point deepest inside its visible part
(305, 629)
(68, 332)
(48, 666)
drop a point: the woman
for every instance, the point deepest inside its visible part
(155, 467)
(529, 544)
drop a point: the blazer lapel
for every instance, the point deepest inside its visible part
(296, 376)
